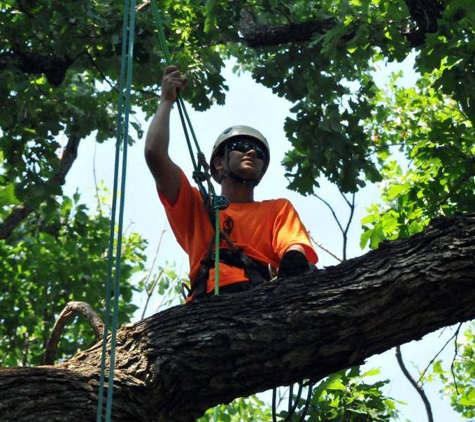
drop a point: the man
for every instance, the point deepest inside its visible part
(257, 235)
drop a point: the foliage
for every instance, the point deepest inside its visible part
(329, 78)
(434, 140)
(241, 409)
(459, 381)
(57, 256)
(343, 396)
(346, 396)
(59, 64)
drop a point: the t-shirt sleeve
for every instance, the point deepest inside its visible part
(180, 212)
(289, 230)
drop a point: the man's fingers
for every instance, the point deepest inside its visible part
(173, 75)
(170, 69)
(172, 82)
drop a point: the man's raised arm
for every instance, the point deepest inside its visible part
(165, 172)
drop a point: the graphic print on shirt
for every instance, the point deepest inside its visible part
(228, 226)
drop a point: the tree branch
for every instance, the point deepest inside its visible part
(439, 352)
(256, 35)
(416, 386)
(424, 14)
(21, 212)
(71, 310)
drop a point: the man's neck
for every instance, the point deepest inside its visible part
(237, 192)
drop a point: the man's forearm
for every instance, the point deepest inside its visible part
(158, 135)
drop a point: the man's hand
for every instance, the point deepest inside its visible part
(172, 83)
(293, 263)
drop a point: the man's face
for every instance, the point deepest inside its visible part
(246, 158)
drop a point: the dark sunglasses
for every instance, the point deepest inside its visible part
(244, 145)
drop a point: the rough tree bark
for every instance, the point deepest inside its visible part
(177, 363)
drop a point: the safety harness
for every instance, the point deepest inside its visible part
(256, 272)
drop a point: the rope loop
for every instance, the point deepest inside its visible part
(202, 161)
(220, 202)
(200, 176)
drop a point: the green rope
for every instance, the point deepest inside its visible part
(113, 283)
(168, 60)
(216, 248)
(185, 119)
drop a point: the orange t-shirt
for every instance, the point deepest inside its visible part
(264, 230)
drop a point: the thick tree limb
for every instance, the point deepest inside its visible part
(21, 212)
(256, 35)
(53, 67)
(176, 364)
(71, 310)
(424, 15)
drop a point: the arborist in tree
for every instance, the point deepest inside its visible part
(258, 238)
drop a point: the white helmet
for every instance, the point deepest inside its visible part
(233, 132)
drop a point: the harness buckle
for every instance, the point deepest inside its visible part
(185, 290)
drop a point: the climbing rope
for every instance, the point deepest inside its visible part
(115, 247)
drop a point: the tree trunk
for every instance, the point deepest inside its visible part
(177, 363)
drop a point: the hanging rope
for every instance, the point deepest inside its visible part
(115, 247)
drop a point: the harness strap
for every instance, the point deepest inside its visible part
(256, 272)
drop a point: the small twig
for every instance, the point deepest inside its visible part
(96, 184)
(452, 366)
(71, 309)
(147, 280)
(438, 353)
(149, 288)
(417, 387)
(99, 70)
(335, 217)
(142, 6)
(352, 207)
(324, 249)
(344, 230)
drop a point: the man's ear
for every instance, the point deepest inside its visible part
(218, 163)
